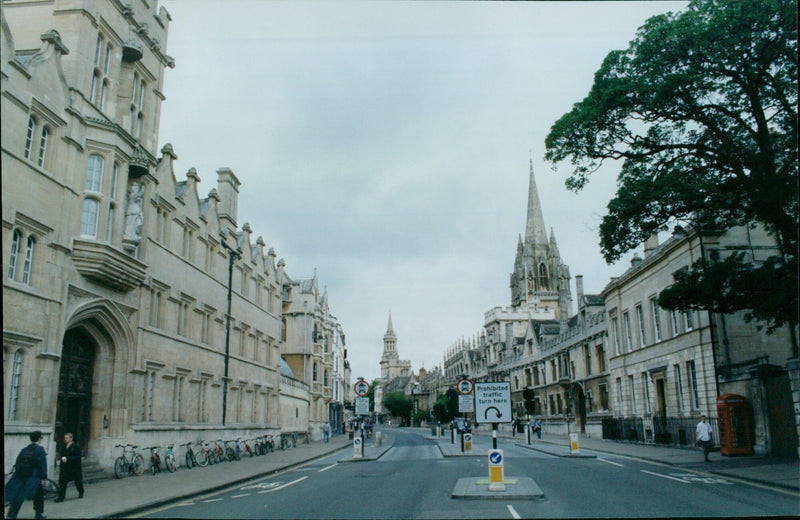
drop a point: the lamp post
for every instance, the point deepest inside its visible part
(232, 255)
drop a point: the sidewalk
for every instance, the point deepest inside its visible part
(784, 473)
(122, 498)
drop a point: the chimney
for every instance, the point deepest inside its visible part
(651, 244)
(636, 260)
(228, 191)
(579, 288)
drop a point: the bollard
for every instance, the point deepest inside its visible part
(467, 443)
(528, 434)
(573, 443)
(496, 471)
(378, 438)
(358, 448)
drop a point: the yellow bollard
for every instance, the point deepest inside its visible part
(496, 471)
(573, 443)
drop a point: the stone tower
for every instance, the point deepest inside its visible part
(391, 365)
(540, 279)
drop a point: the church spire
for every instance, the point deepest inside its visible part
(534, 227)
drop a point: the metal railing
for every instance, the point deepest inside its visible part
(674, 431)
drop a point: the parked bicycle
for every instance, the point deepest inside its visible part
(129, 463)
(219, 451)
(169, 459)
(193, 458)
(231, 452)
(245, 448)
(155, 459)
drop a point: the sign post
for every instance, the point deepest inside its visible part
(466, 404)
(493, 405)
(361, 388)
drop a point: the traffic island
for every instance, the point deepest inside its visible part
(477, 488)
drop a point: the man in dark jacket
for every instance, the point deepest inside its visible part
(70, 468)
(21, 488)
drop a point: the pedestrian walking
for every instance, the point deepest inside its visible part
(514, 428)
(537, 428)
(326, 431)
(30, 470)
(70, 468)
(703, 436)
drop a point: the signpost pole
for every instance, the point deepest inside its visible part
(494, 435)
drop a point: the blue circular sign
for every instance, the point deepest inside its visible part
(357, 441)
(496, 457)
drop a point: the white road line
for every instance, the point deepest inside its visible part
(240, 496)
(609, 462)
(213, 500)
(283, 486)
(513, 511)
(326, 469)
(665, 476)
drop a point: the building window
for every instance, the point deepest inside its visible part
(619, 395)
(617, 342)
(16, 238)
(688, 320)
(30, 137)
(201, 401)
(626, 318)
(587, 356)
(162, 220)
(603, 396)
(646, 391)
(205, 330)
(26, 268)
(147, 395)
(43, 145)
(94, 174)
(110, 225)
(100, 80)
(640, 319)
(314, 374)
(693, 388)
(176, 404)
(678, 387)
(601, 358)
(674, 319)
(183, 317)
(91, 208)
(656, 320)
(16, 374)
(632, 391)
(543, 285)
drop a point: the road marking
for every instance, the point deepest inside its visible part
(283, 486)
(513, 511)
(700, 478)
(326, 469)
(240, 496)
(262, 485)
(665, 476)
(609, 462)
(213, 500)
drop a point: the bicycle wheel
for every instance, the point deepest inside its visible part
(189, 461)
(171, 466)
(200, 458)
(230, 455)
(49, 488)
(120, 468)
(138, 465)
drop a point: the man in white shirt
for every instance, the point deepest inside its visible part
(703, 436)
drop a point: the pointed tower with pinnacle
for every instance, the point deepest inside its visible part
(391, 365)
(540, 279)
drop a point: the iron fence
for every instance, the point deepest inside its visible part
(675, 431)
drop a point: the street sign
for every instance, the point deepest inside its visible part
(361, 388)
(465, 387)
(362, 405)
(466, 403)
(496, 471)
(493, 402)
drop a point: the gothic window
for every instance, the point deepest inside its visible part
(26, 268)
(30, 137)
(100, 73)
(543, 284)
(13, 399)
(14, 254)
(314, 375)
(43, 145)
(91, 208)
(147, 395)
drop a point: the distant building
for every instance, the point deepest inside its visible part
(391, 364)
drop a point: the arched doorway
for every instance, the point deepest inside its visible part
(74, 401)
(580, 408)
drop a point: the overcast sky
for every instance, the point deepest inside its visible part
(387, 145)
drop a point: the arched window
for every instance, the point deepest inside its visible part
(314, 375)
(543, 277)
(43, 145)
(29, 138)
(15, 381)
(16, 238)
(26, 268)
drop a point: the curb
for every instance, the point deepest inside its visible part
(152, 505)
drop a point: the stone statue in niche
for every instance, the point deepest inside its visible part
(134, 214)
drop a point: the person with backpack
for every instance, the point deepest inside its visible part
(70, 468)
(30, 470)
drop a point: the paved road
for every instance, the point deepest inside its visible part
(415, 480)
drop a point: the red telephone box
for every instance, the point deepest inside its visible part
(734, 425)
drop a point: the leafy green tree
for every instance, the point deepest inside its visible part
(444, 406)
(701, 109)
(421, 415)
(398, 405)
